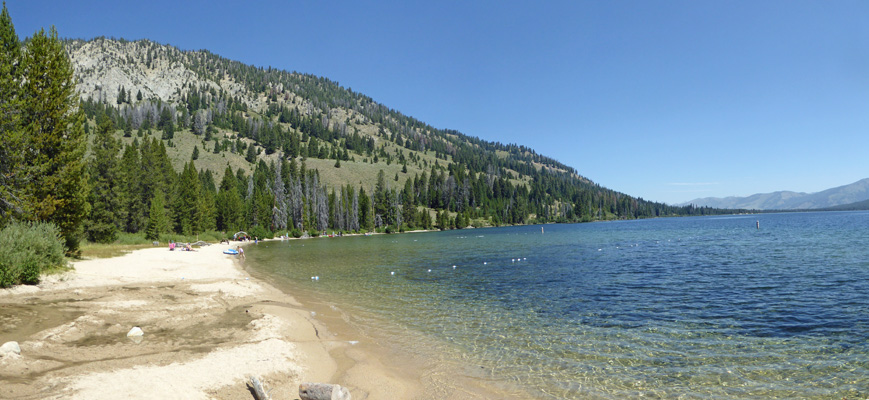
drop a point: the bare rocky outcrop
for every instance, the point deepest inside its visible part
(104, 66)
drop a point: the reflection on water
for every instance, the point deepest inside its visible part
(690, 307)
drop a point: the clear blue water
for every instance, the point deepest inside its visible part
(703, 307)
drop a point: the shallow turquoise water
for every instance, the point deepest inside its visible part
(706, 307)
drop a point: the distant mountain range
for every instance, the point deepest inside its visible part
(786, 200)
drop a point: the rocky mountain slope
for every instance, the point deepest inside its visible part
(230, 113)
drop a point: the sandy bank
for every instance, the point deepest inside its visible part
(208, 325)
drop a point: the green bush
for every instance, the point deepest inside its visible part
(296, 233)
(30, 248)
(260, 232)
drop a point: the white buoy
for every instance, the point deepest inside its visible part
(523, 258)
(429, 270)
(484, 263)
(454, 267)
(392, 273)
(512, 260)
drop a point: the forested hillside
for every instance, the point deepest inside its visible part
(231, 146)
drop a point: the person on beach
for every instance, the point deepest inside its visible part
(240, 252)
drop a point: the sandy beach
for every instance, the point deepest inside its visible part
(207, 324)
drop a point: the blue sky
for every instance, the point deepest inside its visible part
(666, 100)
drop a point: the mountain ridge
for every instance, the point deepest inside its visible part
(254, 118)
(789, 200)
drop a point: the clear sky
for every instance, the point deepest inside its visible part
(665, 100)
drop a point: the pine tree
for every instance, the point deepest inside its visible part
(53, 124)
(408, 209)
(131, 188)
(11, 150)
(157, 221)
(104, 174)
(230, 208)
(185, 208)
(195, 155)
(251, 154)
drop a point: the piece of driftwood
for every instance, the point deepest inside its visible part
(258, 391)
(323, 391)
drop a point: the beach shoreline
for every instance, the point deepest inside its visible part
(208, 326)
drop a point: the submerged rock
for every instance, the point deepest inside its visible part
(10, 348)
(136, 331)
(323, 391)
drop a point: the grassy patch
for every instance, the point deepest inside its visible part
(128, 242)
(108, 250)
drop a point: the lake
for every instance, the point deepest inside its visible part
(699, 307)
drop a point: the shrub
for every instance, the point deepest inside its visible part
(296, 233)
(260, 232)
(30, 248)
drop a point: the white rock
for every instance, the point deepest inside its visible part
(10, 347)
(136, 331)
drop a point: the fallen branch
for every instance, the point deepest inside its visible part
(257, 387)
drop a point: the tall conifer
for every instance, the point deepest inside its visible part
(104, 173)
(11, 151)
(54, 127)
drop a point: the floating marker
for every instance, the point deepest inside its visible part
(454, 267)
(429, 270)
(484, 263)
(523, 258)
(392, 273)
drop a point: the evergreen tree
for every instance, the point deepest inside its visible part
(380, 200)
(230, 208)
(251, 154)
(408, 208)
(11, 150)
(158, 223)
(195, 155)
(185, 208)
(104, 174)
(131, 188)
(54, 127)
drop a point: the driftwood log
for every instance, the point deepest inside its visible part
(323, 391)
(258, 391)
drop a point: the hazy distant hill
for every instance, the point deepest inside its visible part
(785, 200)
